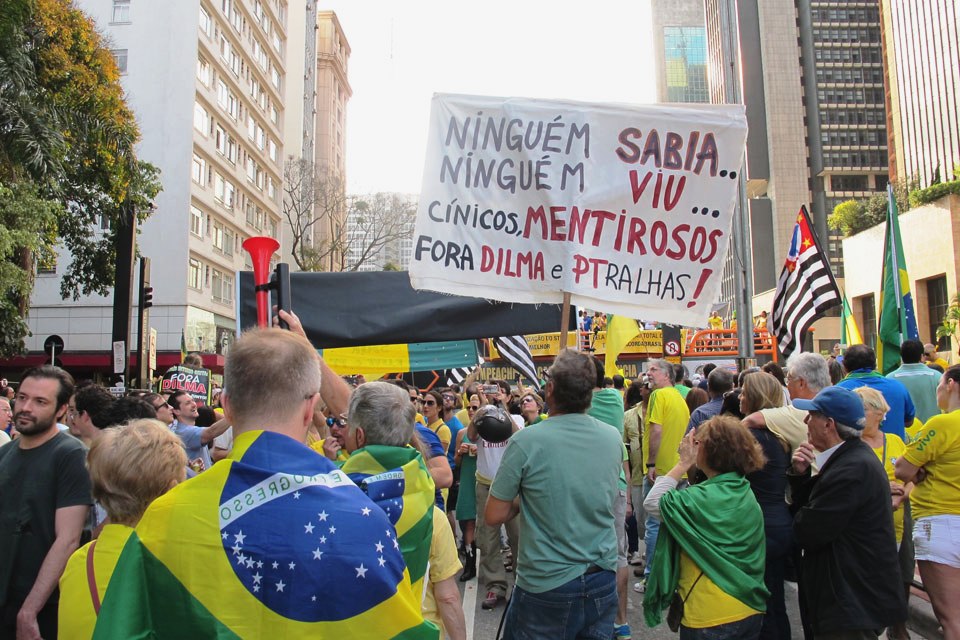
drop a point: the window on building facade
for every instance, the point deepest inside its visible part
(206, 24)
(199, 170)
(121, 12)
(222, 287)
(195, 275)
(204, 74)
(196, 221)
(201, 119)
(685, 55)
(937, 304)
(120, 59)
(848, 183)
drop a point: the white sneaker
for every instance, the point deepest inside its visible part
(640, 587)
(636, 558)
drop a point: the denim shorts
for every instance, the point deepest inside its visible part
(937, 539)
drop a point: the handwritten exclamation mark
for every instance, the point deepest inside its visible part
(703, 280)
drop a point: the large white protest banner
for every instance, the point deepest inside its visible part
(627, 208)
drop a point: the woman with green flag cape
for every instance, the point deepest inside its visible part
(711, 550)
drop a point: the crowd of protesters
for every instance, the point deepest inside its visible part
(734, 483)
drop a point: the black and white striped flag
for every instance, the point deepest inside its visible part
(458, 375)
(516, 351)
(806, 288)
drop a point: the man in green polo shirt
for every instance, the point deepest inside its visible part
(562, 473)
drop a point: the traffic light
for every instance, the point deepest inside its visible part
(147, 297)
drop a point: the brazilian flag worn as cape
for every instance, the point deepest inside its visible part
(274, 542)
(397, 480)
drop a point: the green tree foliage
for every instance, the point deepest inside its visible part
(67, 142)
(934, 192)
(853, 216)
(27, 229)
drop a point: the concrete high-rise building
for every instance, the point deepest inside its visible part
(382, 237)
(845, 115)
(205, 79)
(922, 61)
(811, 80)
(317, 128)
(680, 51)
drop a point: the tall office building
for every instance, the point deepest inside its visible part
(205, 79)
(922, 61)
(317, 127)
(842, 63)
(680, 51)
(811, 80)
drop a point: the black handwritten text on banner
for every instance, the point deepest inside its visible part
(628, 208)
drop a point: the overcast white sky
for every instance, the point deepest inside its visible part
(404, 51)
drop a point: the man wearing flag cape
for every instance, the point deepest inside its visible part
(273, 541)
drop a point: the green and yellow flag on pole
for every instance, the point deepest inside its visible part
(183, 346)
(620, 331)
(897, 321)
(849, 331)
(273, 542)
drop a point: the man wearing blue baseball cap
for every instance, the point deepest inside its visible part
(849, 575)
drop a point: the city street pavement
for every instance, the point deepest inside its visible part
(482, 625)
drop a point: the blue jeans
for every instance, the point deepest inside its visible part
(582, 608)
(746, 629)
(650, 535)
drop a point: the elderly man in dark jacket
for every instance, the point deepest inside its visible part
(849, 576)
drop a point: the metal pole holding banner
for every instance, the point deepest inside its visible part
(565, 320)
(743, 259)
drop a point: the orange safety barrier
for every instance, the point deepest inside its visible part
(723, 343)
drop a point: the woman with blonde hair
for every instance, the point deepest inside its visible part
(710, 551)
(130, 466)
(763, 390)
(889, 447)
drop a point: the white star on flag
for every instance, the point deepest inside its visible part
(224, 535)
(322, 515)
(379, 547)
(292, 566)
(313, 598)
(317, 553)
(308, 528)
(239, 537)
(256, 588)
(296, 495)
(280, 586)
(381, 561)
(241, 559)
(365, 511)
(333, 529)
(250, 563)
(395, 545)
(275, 565)
(257, 577)
(259, 564)
(361, 571)
(236, 549)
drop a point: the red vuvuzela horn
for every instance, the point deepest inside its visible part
(261, 249)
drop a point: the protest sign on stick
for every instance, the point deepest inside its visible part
(627, 208)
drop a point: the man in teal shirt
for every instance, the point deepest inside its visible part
(920, 380)
(566, 469)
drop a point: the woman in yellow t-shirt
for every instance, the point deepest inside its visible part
(888, 447)
(932, 461)
(130, 466)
